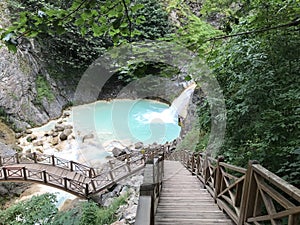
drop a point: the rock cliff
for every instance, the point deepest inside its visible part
(27, 93)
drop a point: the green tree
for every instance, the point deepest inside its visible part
(258, 70)
(38, 210)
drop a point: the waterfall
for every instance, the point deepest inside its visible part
(180, 104)
(177, 109)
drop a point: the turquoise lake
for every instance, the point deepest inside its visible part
(131, 121)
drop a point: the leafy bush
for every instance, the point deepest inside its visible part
(37, 210)
(43, 89)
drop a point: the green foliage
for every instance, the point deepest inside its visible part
(195, 33)
(37, 210)
(135, 70)
(42, 210)
(190, 141)
(259, 76)
(154, 20)
(43, 89)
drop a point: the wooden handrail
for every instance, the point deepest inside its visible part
(249, 196)
(150, 191)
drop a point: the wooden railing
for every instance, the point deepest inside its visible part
(82, 181)
(249, 196)
(23, 173)
(26, 158)
(150, 191)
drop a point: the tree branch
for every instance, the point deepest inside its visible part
(295, 22)
(128, 18)
(65, 17)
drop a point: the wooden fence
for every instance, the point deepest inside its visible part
(249, 196)
(52, 160)
(150, 191)
(73, 177)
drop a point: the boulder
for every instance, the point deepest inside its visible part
(64, 135)
(54, 141)
(66, 114)
(31, 137)
(28, 131)
(87, 136)
(138, 145)
(19, 135)
(58, 127)
(37, 143)
(68, 126)
(118, 152)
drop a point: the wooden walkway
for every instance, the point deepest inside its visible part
(70, 176)
(184, 201)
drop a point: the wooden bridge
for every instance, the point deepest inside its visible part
(194, 188)
(69, 176)
(73, 177)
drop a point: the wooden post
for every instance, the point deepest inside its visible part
(4, 173)
(128, 162)
(198, 165)
(66, 183)
(53, 160)
(24, 173)
(71, 166)
(86, 190)
(45, 176)
(248, 195)
(1, 161)
(206, 168)
(34, 157)
(218, 179)
(193, 165)
(17, 158)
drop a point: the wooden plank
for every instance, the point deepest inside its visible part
(193, 205)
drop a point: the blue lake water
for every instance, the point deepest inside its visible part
(133, 121)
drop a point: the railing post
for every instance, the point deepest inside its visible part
(110, 171)
(206, 168)
(24, 173)
(66, 183)
(218, 179)
(17, 158)
(128, 162)
(248, 195)
(198, 164)
(4, 173)
(34, 157)
(45, 176)
(86, 190)
(71, 166)
(53, 160)
(1, 161)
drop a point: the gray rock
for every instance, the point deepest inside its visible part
(69, 127)
(28, 131)
(118, 152)
(138, 145)
(54, 141)
(87, 136)
(58, 127)
(64, 135)
(31, 137)
(37, 143)
(19, 135)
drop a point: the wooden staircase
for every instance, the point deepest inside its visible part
(184, 201)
